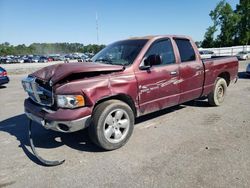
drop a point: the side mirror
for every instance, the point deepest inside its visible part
(151, 61)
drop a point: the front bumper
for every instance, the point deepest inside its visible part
(62, 120)
(61, 126)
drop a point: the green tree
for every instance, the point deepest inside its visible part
(208, 41)
(225, 22)
(48, 48)
(243, 30)
(228, 21)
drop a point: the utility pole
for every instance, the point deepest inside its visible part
(97, 28)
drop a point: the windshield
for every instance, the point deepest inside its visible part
(120, 53)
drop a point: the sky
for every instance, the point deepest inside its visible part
(29, 21)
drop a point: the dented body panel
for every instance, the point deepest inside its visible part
(145, 91)
(58, 72)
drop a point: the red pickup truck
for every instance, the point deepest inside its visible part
(125, 80)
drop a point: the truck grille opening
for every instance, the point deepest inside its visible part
(39, 91)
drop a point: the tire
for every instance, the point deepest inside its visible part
(216, 97)
(112, 124)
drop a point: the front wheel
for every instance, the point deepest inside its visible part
(112, 124)
(216, 97)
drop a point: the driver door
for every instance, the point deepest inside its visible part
(158, 86)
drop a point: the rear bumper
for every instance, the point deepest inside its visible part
(4, 80)
(62, 120)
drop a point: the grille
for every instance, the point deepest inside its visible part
(39, 91)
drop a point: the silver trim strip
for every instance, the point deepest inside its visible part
(74, 125)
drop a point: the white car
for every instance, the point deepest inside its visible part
(206, 54)
(248, 69)
(244, 55)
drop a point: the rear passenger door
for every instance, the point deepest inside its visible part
(191, 71)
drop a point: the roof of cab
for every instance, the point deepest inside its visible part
(149, 37)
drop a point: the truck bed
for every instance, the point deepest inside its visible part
(216, 66)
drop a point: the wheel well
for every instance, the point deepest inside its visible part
(226, 76)
(122, 97)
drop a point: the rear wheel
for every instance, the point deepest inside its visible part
(216, 97)
(112, 124)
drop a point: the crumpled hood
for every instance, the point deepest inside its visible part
(57, 72)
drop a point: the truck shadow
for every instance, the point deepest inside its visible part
(198, 103)
(158, 114)
(47, 139)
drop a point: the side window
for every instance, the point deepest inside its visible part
(185, 49)
(164, 49)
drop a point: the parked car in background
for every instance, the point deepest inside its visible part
(27, 60)
(32, 59)
(244, 55)
(90, 55)
(35, 59)
(3, 76)
(18, 60)
(68, 57)
(248, 69)
(6, 60)
(84, 58)
(58, 58)
(50, 59)
(43, 59)
(206, 54)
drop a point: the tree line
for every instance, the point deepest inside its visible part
(48, 48)
(230, 27)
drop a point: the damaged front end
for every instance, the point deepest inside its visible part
(44, 107)
(43, 97)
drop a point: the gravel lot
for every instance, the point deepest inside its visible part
(191, 145)
(24, 68)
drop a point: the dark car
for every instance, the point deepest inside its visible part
(43, 59)
(34, 59)
(6, 60)
(3, 76)
(58, 58)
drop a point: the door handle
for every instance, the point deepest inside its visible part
(173, 73)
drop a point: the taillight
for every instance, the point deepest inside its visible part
(3, 73)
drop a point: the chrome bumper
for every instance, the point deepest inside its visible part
(61, 126)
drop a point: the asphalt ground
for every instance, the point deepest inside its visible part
(190, 145)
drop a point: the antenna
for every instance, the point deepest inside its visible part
(97, 28)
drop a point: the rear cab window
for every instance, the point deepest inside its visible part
(186, 50)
